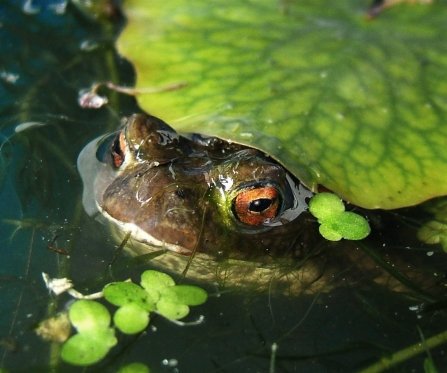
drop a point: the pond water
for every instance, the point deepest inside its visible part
(356, 314)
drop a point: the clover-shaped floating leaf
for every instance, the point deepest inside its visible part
(131, 318)
(123, 293)
(175, 301)
(88, 348)
(184, 294)
(88, 316)
(94, 338)
(347, 225)
(354, 105)
(172, 310)
(134, 368)
(324, 205)
(434, 232)
(336, 223)
(154, 280)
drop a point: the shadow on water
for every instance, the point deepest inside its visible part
(352, 313)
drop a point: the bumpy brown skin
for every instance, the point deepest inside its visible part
(170, 186)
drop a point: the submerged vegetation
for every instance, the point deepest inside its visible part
(315, 85)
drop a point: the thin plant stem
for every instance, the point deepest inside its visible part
(406, 353)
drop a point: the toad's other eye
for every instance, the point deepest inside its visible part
(118, 150)
(256, 206)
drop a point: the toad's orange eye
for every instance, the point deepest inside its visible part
(256, 206)
(118, 150)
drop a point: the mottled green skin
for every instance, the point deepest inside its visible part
(352, 104)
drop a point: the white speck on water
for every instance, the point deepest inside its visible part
(430, 253)
(59, 8)
(29, 8)
(9, 77)
(170, 362)
(88, 45)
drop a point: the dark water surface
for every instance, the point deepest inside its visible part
(46, 58)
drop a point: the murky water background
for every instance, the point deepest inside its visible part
(46, 57)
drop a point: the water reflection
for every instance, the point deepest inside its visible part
(359, 314)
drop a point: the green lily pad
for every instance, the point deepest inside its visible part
(88, 348)
(355, 105)
(88, 316)
(123, 293)
(131, 319)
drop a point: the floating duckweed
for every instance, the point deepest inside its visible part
(88, 316)
(88, 348)
(154, 280)
(328, 233)
(122, 293)
(95, 337)
(336, 223)
(131, 319)
(135, 368)
(347, 225)
(184, 294)
(434, 232)
(92, 320)
(172, 310)
(324, 205)
(173, 300)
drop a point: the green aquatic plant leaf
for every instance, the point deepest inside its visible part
(88, 348)
(131, 318)
(123, 293)
(434, 232)
(184, 294)
(352, 104)
(88, 316)
(336, 223)
(154, 280)
(172, 310)
(347, 224)
(324, 205)
(429, 366)
(95, 336)
(135, 368)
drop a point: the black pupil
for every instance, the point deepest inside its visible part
(116, 148)
(259, 205)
